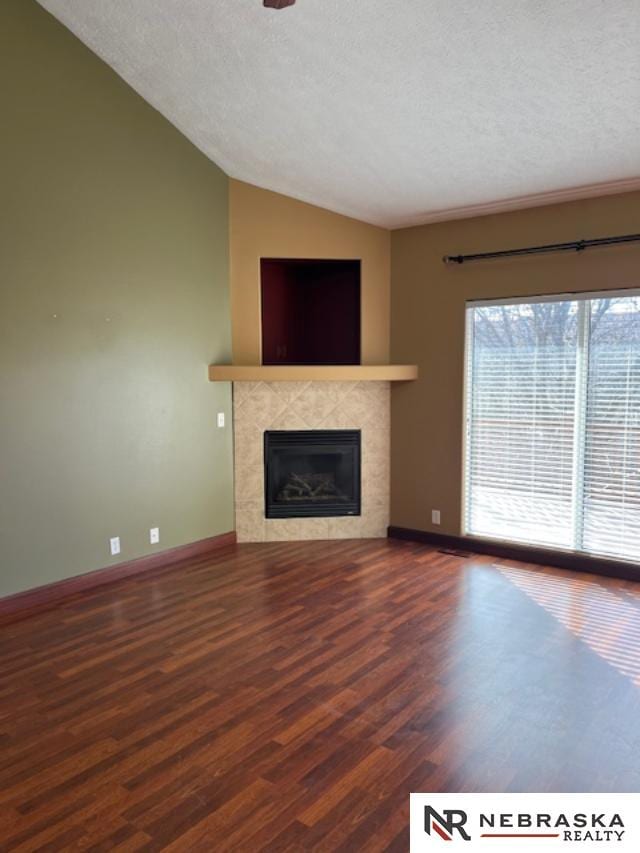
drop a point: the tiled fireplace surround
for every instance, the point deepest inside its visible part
(260, 406)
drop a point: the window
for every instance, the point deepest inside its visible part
(552, 450)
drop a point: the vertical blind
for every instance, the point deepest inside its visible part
(552, 452)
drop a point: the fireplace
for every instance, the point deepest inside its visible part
(311, 473)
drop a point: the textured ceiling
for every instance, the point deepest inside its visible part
(393, 112)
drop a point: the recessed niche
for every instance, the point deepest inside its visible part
(310, 311)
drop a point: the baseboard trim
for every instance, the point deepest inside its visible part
(523, 553)
(51, 594)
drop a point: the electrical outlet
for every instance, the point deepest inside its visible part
(114, 545)
(220, 419)
(435, 516)
(154, 535)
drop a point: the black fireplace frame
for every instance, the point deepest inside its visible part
(329, 438)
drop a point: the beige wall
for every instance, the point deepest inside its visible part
(264, 224)
(113, 300)
(427, 322)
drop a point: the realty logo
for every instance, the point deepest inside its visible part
(446, 823)
(524, 823)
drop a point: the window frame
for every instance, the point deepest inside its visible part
(580, 403)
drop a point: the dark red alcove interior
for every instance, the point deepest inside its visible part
(310, 311)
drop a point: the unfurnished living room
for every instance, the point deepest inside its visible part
(320, 425)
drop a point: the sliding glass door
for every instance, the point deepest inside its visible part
(553, 423)
(612, 446)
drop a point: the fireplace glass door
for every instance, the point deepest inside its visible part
(312, 473)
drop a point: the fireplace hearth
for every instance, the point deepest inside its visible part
(312, 473)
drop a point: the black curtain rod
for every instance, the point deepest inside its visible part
(574, 246)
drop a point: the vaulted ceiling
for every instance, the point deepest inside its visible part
(392, 112)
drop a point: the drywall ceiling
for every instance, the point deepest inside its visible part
(392, 112)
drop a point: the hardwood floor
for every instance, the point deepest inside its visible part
(290, 696)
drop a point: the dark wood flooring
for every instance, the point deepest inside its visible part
(291, 696)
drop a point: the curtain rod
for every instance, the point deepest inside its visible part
(574, 246)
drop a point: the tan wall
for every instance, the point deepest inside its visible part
(264, 224)
(113, 300)
(428, 301)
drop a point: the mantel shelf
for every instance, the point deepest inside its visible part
(304, 373)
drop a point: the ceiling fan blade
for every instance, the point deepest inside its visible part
(278, 4)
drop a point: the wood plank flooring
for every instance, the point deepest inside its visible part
(291, 696)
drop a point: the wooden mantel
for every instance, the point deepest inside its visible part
(304, 373)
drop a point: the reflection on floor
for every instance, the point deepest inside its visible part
(607, 622)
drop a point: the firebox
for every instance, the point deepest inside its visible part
(311, 473)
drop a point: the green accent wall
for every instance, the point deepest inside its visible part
(114, 298)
